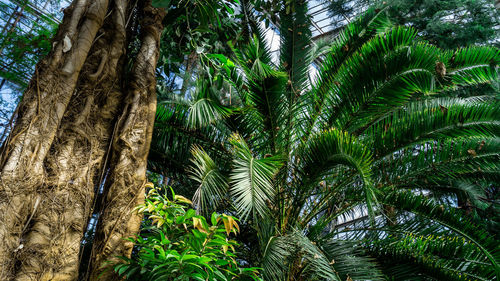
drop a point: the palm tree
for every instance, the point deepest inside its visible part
(379, 137)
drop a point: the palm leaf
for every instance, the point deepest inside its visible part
(206, 108)
(251, 180)
(212, 186)
(434, 119)
(349, 259)
(331, 148)
(295, 248)
(450, 219)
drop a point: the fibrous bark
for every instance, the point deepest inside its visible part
(57, 152)
(125, 189)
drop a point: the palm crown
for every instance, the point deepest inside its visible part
(378, 134)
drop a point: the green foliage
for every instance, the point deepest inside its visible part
(431, 242)
(212, 185)
(25, 37)
(205, 107)
(281, 252)
(23, 42)
(296, 158)
(177, 244)
(251, 180)
(452, 23)
(447, 24)
(461, 226)
(193, 29)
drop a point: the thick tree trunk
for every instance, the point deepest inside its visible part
(25, 183)
(57, 152)
(125, 183)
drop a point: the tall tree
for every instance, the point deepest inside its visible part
(87, 115)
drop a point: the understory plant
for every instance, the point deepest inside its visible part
(177, 244)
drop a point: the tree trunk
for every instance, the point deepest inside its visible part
(188, 73)
(125, 183)
(54, 160)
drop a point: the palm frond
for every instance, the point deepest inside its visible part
(320, 48)
(250, 25)
(434, 161)
(212, 185)
(474, 191)
(276, 258)
(385, 73)
(411, 256)
(295, 31)
(349, 259)
(172, 140)
(329, 149)
(296, 248)
(317, 264)
(206, 108)
(425, 240)
(472, 65)
(346, 43)
(459, 225)
(251, 180)
(263, 95)
(437, 119)
(266, 96)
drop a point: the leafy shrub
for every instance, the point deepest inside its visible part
(177, 244)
